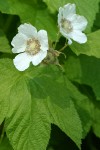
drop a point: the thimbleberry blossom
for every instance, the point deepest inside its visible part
(31, 45)
(71, 25)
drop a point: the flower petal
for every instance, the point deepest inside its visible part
(79, 22)
(60, 15)
(22, 61)
(69, 10)
(19, 43)
(66, 36)
(36, 59)
(28, 30)
(43, 39)
(63, 32)
(69, 41)
(78, 36)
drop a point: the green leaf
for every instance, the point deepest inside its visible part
(83, 105)
(84, 70)
(96, 120)
(6, 79)
(37, 98)
(32, 12)
(90, 48)
(4, 45)
(5, 145)
(85, 8)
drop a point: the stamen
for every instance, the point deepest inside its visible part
(66, 25)
(33, 46)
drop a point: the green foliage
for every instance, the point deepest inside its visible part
(35, 107)
(85, 70)
(5, 145)
(65, 95)
(84, 107)
(4, 45)
(91, 47)
(31, 12)
(96, 123)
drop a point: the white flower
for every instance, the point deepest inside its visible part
(71, 25)
(31, 45)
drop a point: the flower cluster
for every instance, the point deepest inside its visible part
(32, 45)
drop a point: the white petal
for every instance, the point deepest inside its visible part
(69, 41)
(78, 36)
(43, 39)
(60, 15)
(19, 43)
(66, 36)
(63, 32)
(79, 22)
(18, 50)
(28, 30)
(69, 10)
(22, 61)
(36, 59)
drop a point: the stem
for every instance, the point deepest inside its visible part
(63, 47)
(58, 36)
(50, 44)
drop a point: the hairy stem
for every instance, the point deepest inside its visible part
(58, 36)
(63, 47)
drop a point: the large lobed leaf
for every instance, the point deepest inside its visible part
(85, 70)
(35, 99)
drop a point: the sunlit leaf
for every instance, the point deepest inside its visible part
(36, 98)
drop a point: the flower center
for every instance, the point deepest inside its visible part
(33, 46)
(66, 25)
